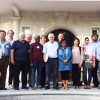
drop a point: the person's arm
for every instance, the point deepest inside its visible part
(98, 54)
(12, 53)
(44, 52)
(69, 54)
(94, 56)
(12, 56)
(59, 55)
(31, 54)
(82, 57)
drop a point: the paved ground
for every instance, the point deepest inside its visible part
(93, 91)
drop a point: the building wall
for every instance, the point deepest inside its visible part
(80, 24)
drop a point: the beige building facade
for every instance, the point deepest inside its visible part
(42, 23)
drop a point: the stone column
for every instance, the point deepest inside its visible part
(16, 26)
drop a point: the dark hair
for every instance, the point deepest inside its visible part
(95, 34)
(63, 40)
(11, 31)
(2, 31)
(77, 40)
(86, 38)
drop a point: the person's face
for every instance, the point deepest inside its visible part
(60, 37)
(63, 44)
(29, 38)
(43, 40)
(76, 42)
(22, 37)
(10, 34)
(94, 38)
(37, 40)
(2, 35)
(51, 38)
(87, 41)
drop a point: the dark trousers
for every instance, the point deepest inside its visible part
(52, 64)
(94, 74)
(29, 73)
(3, 71)
(87, 81)
(11, 69)
(76, 74)
(43, 76)
(20, 66)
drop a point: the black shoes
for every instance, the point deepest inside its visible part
(47, 87)
(55, 87)
(3, 88)
(16, 88)
(25, 88)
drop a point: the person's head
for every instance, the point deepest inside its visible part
(37, 38)
(60, 36)
(2, 34)
(21, 36)
(63, 43)
(76, 42)
(86, 40)
(28, 37)
(51, 37)
(43, 39)
(94, 37)
(10, 34)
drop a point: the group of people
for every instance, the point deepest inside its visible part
(40, 59)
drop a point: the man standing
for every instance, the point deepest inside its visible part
(60, 37)
(50, 57)
(20, 58)
(29, 39)
(95, 43)
(4, 58)
(10, 34)
(36, 60)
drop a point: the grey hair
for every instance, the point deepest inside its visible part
(21, 33)
(50, 35)
(28, 34)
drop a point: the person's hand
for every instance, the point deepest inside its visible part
(65, 61)
(12, 61)
(80, 65)
(31, 64)
(93, 65)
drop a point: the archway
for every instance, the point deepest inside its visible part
(69, 34)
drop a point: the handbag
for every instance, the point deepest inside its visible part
(88, 64)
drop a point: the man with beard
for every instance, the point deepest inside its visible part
(95, 43)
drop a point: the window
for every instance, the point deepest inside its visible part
(26, 29)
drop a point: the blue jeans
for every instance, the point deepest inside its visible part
(87, 80)
(99, 68)
(36, 66)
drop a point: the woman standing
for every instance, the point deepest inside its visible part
(89, 59)
(65, 65)
(77, 60)
(43, 73)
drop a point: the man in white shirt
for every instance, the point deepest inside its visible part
(10, 34)
(50, 57)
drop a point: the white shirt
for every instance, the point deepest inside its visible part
(50, 49)
(11, 42)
